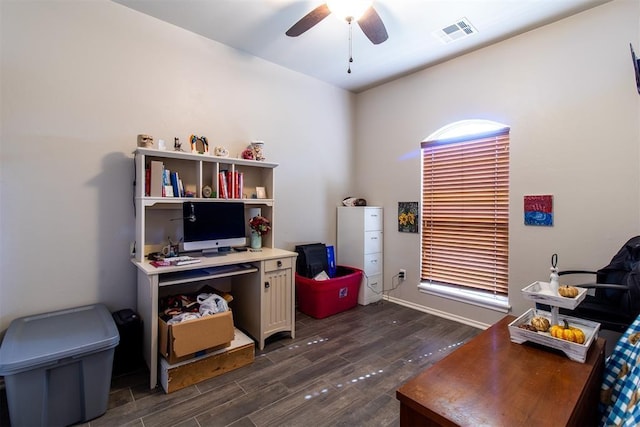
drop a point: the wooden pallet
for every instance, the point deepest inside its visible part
(174, 377)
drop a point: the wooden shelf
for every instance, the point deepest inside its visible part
(183, 155)
(156, 217)
(171, 201)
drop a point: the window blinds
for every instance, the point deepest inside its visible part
(465, 212)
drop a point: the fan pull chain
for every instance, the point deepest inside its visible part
(349, 20)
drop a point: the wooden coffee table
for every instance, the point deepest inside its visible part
(491, 381)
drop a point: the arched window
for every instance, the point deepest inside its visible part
(465, 213)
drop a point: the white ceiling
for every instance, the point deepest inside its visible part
(258, 27)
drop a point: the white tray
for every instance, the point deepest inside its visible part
(541, 292)
(574, 351)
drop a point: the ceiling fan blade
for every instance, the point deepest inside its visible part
(309, 20)
(372, 26)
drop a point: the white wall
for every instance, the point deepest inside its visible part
(568, 92)
(79, 81)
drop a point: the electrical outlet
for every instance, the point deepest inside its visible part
(402, 275)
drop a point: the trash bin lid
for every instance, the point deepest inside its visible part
(41, 339)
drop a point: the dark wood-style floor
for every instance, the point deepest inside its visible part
(339, 371)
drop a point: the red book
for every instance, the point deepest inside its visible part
(222, 183)
(160, 263)
(230, 185)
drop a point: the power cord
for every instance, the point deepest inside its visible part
(395, 286)
(398, 278)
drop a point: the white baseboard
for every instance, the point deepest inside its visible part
(438, 313)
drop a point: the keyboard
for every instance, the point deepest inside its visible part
(222, 269)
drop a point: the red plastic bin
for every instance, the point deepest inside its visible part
(324, 298)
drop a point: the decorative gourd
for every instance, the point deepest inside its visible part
(568, 291)
(567, 333)
(540, 323)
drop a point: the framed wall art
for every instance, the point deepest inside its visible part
(408, 217)
(538, 210)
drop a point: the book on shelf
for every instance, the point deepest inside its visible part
(156, 186)
(181, 188)
(166, 177)
(230, 186)
(147, 181)
(240, 185)
(174, 184)
(222, 183)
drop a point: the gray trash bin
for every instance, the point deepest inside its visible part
(57, 366)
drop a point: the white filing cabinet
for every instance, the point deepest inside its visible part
(360, 245)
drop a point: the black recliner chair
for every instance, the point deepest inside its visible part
(616, 302)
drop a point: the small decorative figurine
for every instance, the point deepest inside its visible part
(554, 278)
(177, 145)
(258, 150)
(221, 152)
(199, 144)
(248, 154)
(145, 141)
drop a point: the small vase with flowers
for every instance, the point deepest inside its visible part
(259, 227)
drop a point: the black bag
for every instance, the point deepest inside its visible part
(312, 259)
(623, 269)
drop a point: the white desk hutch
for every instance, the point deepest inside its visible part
(262, 283)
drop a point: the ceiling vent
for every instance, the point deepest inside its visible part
(460, 29)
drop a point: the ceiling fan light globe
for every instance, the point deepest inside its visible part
(348, 10)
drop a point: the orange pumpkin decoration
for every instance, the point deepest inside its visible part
(567, 333)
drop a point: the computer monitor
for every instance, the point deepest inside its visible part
(213, 227)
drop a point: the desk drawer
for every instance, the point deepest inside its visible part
(277, 264)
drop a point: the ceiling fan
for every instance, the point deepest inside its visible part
(362, 12)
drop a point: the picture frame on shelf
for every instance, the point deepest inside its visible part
(261, 192)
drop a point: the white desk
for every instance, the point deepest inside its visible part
(264, 294)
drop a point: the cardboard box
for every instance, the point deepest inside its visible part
(185, 340)
(174, 377)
